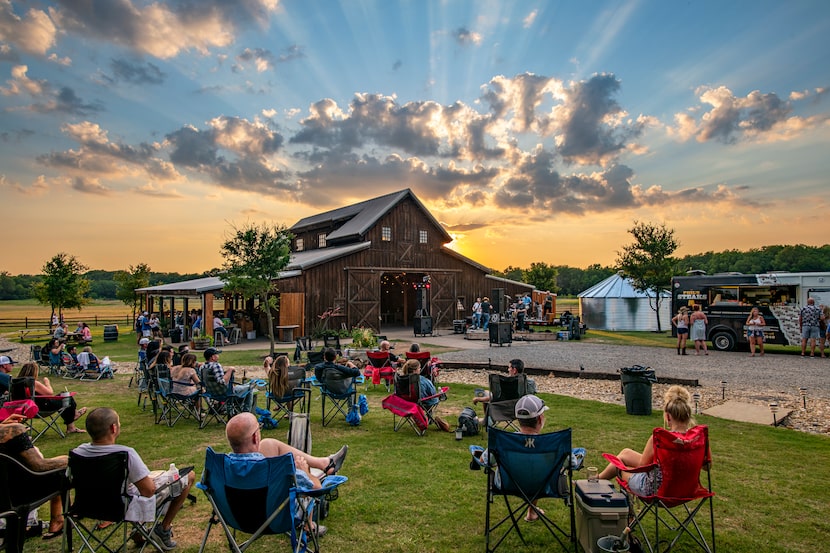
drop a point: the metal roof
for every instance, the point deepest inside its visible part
(186, 287)
(617, 286)
(360, 217)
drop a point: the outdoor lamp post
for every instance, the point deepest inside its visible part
(723, 389)
(773, 407)
(803, 392)
(696, 397)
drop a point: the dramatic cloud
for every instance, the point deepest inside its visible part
(164, 30)
(34, 33)
(47, 100)
(250, 145)
(20, 83)
(99, 156)
(756, 117)
(136, 72)
(89, 186)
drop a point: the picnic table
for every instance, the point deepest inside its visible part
(286, 333)
(32, 333)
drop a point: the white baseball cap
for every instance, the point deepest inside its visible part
(6, 360)
(530, 407)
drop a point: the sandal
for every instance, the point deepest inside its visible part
(52, 534)
(336, 460)
(80, 413)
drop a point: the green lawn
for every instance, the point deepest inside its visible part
(407, 493)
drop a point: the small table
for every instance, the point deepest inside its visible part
(286, 333)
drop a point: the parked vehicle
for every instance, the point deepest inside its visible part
(727, 299)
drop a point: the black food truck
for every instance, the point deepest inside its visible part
(727, 299)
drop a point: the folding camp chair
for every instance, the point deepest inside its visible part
(22, 491)
(341, 393)
(297, 398)
(680, 458)
(379, 369)
(332, 342)
(218, 400)
(98, 491)
(258, 497)
(424, 358)
(147, 390)
(528, 468)
(505, 391)
(92, 369)
(172, 406)
(302, 344)
(408, 407)
(50, 408)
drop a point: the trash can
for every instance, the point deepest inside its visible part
(176, 335)
(636, 383)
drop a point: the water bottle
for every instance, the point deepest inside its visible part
(175, 482)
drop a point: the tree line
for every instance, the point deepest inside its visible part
(570, 281)
(561, 279)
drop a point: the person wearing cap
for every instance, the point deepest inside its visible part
(530, 412)
(142, 349)
(146, 331)
(221, 375)
(6, 366)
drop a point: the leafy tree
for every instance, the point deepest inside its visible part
(63, 286)
(127, 282)
(542, 276)
(254, 256)
(648, 262)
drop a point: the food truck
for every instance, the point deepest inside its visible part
(727, 299)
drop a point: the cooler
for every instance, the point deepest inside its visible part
(600, 511)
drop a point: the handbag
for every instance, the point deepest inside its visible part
(25, 407)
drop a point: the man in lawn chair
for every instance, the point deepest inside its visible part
(244, 437)
(104, 427)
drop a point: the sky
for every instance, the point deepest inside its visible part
(140, 131)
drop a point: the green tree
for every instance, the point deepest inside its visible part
(254, 256)
(648, 261)
(62, 286)
(542, 276)
(127, 282)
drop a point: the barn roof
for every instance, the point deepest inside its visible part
(356, 219)
(617, 286)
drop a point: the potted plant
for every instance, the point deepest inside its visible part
(202, 342)
(363, 338)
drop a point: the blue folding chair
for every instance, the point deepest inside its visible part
(528, 468)
(259, 497)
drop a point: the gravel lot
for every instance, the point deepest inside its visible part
(759, 380)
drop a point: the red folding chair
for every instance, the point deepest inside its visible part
(407, 405)
(379, 369)
(681, 458)
(424, 358)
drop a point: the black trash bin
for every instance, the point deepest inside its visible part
(175, 335)
(636, 383)
(110, 333)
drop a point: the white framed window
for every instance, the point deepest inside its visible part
(386, 234)
(422, 237)
(321, 240)
(300, 244)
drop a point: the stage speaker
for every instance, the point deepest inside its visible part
(497, 300)
(501, 333)
(422, 301)
(423, 326)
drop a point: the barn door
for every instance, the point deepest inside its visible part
(363, 299)
(442, 298)
(292, 311)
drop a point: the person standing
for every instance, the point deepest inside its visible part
(681, 322)
(485, 313)
(699, 321)
(755, 331)
(477, 314)
(809, 321)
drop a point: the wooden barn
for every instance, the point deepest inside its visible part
(380, 263)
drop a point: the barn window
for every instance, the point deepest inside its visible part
(422, 237)
(300, 244)
(321, 240)
(386, 234)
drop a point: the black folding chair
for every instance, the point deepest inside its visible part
(297, 398)
(341, 393)
(50, 408)
(24, 490)
(505, 391)
(98, 491)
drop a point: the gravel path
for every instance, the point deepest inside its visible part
(759, 380)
